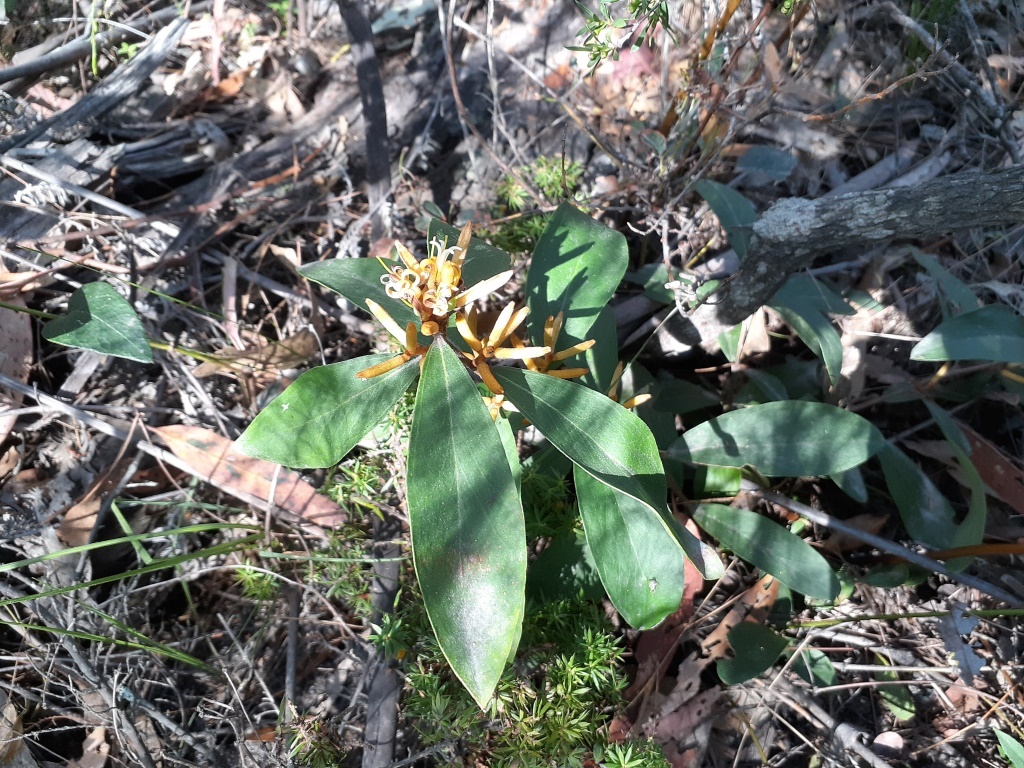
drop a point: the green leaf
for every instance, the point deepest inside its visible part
(756, 647)
(565, 569)
(601, 359)
(817, 332)
(994, 333)
(896, 698)
(775, 163)
(466, 524)
(324, 413)
(482, 260)
(958, 297)
(100, 319)
(358, 280)
(640, 564)
(851, 482)
(925, 512)
(736, 212)
(772, 548)
(815, 667)
(576, 268)
(606, 441)
(971, 529)
(680, 396)
(595, 432)
(793, 438)
(1012, 749)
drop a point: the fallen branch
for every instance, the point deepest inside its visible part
(795, 231)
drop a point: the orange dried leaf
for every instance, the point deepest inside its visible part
(215, 460)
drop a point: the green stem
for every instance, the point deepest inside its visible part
(34, 312)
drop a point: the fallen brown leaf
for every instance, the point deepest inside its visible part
(214, 457)
(755, 605)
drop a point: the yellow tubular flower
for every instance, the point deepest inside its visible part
(386, 320)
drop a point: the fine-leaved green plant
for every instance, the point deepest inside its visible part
(463, 479)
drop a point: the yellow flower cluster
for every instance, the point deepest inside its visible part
(434, 290)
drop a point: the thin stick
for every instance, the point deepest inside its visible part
(914, 558)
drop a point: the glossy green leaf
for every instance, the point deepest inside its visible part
(926, 513)
(851, 482)
(595, 432)
(576, 267)
(508, 442)
(680, 396)
(817, 332)
(775, 163)
(317, 420)
(756, 648)
(482, 260)
(896, 698)
(772, 548)
(729, 341)
(994, 333)
(640, 564)
(565, 569)
(734, 211)
(971, 529)
(806, 293)
(466, 524)
(102, 320)
(600, 360)
(958, 297)
(358, 280)
(1012, 749)
(605, 440)
(793, 438)
(815, 667)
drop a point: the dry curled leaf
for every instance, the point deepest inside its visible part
(263, 356)
(214, 457)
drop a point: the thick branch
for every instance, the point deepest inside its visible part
(794, 231)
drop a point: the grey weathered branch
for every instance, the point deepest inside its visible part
(795, 231)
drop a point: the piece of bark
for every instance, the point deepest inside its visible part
(794, 231)
(125, 81)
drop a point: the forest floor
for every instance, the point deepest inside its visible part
(160, 608)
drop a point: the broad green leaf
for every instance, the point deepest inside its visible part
(102, 320)
(806, 293)
(756, 647)
(482, 261)
(466, 524)
(815, 667)
(595, 432)
(775, 163)
(851, 482)
(772, 548)
(600, 360)
(1012, 749)
(817, 332)
(736, 212)
(971, 529)
(793, 438)
(709, 480)
(896, 698)
(994, 333)
(925, 512)
(358, 280)
(729, 341)
(680, 396)
(565, 569)
(640, 564)
(324, 413)
(508, 442)
(606, 441)
(576, 268)
(958, 297)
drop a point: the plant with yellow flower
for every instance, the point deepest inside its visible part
(465, 509)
